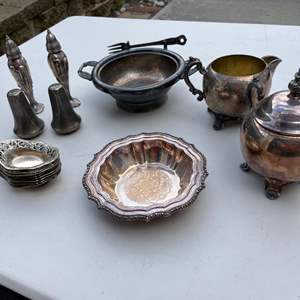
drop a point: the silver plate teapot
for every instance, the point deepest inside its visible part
(270, 138)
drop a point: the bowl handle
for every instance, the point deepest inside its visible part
(86, 75)
(254, 85)
(193, 65)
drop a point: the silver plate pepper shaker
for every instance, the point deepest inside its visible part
(20, 70)
(59, 65)
(65, 120)
(27, 124)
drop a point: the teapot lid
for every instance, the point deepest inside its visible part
(280, 112)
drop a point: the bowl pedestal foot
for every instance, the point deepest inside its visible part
(143, 106)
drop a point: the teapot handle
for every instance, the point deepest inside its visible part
(189, 69)
(254, 84)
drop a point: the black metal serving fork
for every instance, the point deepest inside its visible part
(179, 40)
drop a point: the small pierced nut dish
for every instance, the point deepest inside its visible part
(28, 164)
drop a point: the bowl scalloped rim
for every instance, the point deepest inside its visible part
(104, 202)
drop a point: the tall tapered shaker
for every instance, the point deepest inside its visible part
(20, 70)
(59, 65)
(65, 120)
(27, 124)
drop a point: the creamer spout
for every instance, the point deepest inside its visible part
(272, 61)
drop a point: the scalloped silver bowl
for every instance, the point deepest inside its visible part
(144, 176)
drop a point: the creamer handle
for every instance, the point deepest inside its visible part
(197, 65)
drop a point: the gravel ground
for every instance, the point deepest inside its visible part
(140, 9)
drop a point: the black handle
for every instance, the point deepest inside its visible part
(86, 75)
(193, 65)
(254, 85)
(179, 40)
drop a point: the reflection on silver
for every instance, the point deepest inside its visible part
(227, 84)
(26, 159)
(145, 176)
(281, 111)
(270, 139)
(20, 70)
(138, 70)
(64, 120)
(27, 124)
(59, 65)
(28, 164)
(146, 184)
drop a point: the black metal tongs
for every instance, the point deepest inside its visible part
(179, 40)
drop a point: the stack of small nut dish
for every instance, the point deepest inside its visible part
(28, 164)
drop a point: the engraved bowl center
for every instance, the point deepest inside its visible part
(147, 183)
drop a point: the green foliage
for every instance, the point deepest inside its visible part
(118, 4)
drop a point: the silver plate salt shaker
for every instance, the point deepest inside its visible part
(65, 120)
(20, 70)
(59, 65)
(27, 124)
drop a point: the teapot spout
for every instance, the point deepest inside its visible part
(272, 62)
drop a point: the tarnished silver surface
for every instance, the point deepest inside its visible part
(59, 65)
(65, 120)
(270, 139)
(144, 176)
(138, 71)
(28, 164)
(138, 79)
(27, 124)
(226, 83)
(281, 111)
(20, 70)
(11, 148)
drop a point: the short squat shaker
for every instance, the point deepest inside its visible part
(20, 70)
(65, 120)
(27, 124)
(59, 65)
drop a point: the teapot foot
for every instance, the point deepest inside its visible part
(273, 188)
(245, 167)
(220, 119)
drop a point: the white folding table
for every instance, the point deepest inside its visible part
(232, 243)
